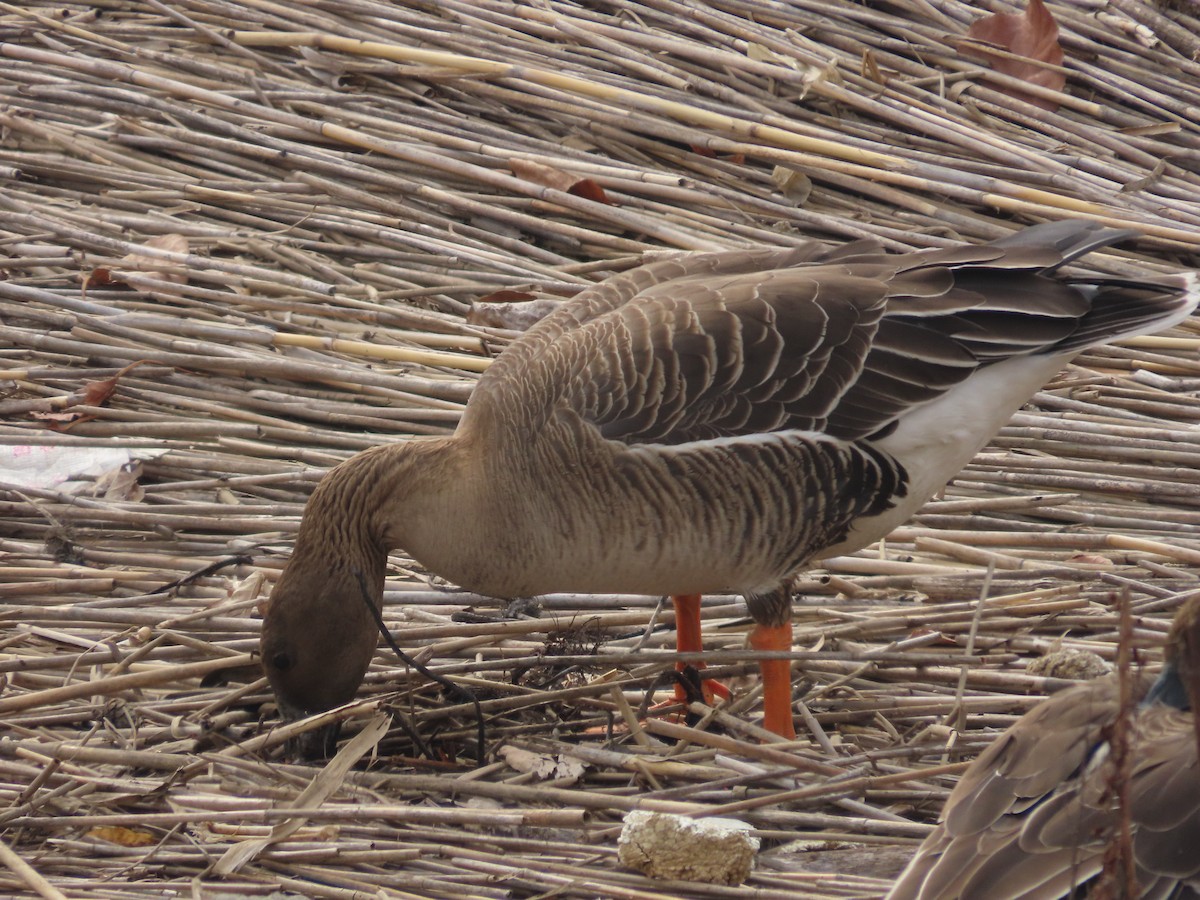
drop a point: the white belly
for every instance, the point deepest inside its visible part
(937, 440)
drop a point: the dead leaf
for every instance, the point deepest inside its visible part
(589, 190)
(541, 766)
(516, 315)
(809, 74)
(1034, 36)
(94, 393)
(1148, 180)
(126, 837)
(763, 53)
(249, 588)
(736, 158)
(120, 483)
(320, 789)
(792, 183)
(98, 277)
(558, 179)
(155, 267)
(97, 393)
(173, 241)
(869, 68)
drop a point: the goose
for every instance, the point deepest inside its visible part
(706, 423)
(1033, 816)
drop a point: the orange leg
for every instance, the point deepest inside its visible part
(776, 678)
(687, 640)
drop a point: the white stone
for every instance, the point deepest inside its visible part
(669, 846)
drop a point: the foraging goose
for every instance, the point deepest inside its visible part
(1033, 817)
(706, 423)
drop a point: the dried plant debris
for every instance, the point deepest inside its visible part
(240, 242)
(1032, 54)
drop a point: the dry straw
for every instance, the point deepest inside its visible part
(284, 214)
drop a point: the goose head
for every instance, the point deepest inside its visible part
(319, 633)
(1184, 648)
(1178, 684)
(319, 636)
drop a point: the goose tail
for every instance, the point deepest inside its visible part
(1125, 308)
(1070, 239)
(1120, 308)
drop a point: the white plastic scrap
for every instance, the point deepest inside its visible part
(41, 466)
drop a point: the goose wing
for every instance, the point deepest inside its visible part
(620, 289)
(984, 813)
(740, 343)
(1033, 815)
(1164, 798)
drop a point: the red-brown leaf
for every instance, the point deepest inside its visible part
(589, 190)
(735, 158)
(558, 179)
(97, 393)
(98, 277)
(94, 393)
(1034, 36)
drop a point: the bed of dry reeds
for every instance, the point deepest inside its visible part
(240, 241)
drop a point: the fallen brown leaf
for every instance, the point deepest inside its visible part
(94, 393)
(558, 179)
(97, 393)
(1033, 35)
(589, 190)
(136, 263)
(518, 315)
(736, 158)
(98, 277)
(120, 483)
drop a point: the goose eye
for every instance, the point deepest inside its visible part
(281, 661)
